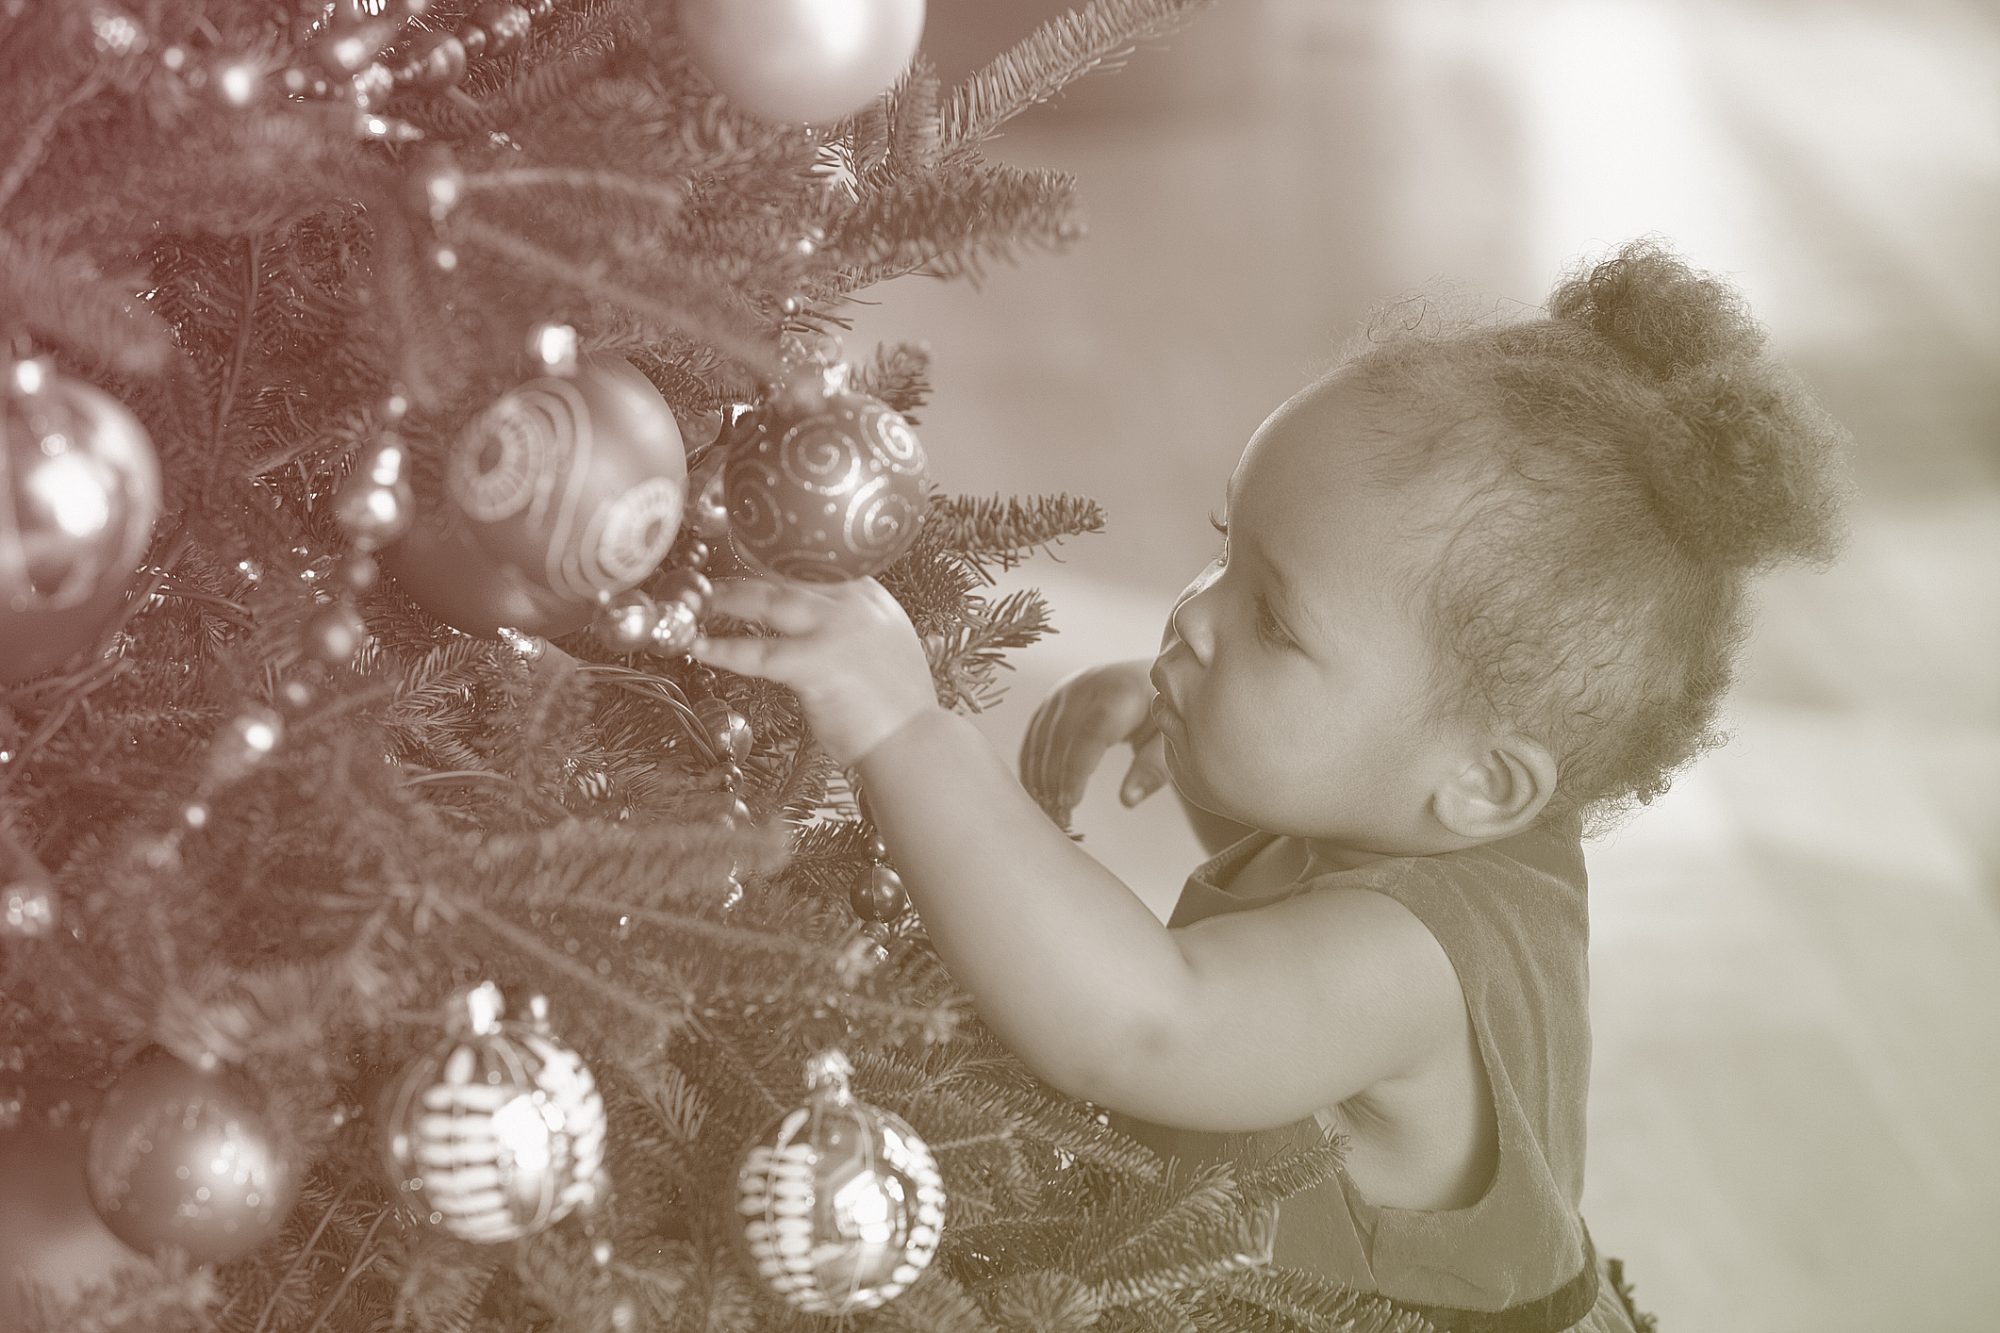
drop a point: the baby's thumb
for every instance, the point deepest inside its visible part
(1147, 775)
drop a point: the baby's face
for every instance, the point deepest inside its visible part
(1293, 682)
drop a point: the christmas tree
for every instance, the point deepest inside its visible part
(397, 928)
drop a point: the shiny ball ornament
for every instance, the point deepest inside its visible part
(27, 910)
(431, 62)
(376, 504)
(575, 481)
(841, 1202)
(334, 633)
(810, 60)
(878, 894)
(79, 491)
(504, 27)
(498, 1131)
(727, 730)
(441, 569)
(685, 585)
(826, 488)
(181, 1157)
(625, 623)
(674, 632)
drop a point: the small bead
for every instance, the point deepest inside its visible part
(473, 38)
(675, 631)
(877, 848)
(878, 894)
(432, 62)
(626, 623)
(693, 553)
(685, 585)
(506, 26)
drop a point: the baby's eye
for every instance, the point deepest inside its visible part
(1268, 627)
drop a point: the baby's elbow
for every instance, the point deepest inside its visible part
(1124, 1068)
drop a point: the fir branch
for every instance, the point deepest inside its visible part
(664, 197)
(64, 298)
(954, 221)
(899, 375)
(706, 322)
(1098, 36)
(1007, 530)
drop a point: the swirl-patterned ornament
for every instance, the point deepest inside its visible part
(577, 481)
(827, 492)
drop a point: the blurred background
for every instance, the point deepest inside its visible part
(1796, 954)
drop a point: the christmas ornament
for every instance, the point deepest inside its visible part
(878, 894)
(182, 1157)
(244, 742)
(376, 504)
(79, 490)
(625, 623)
(335, 632)
(445, 572)
(49, 1234)
(842, 1202)
(802, 59)
(27, 898)
(498, 1131)
(430, 62)
(727, 731)
(685, 585)
(827, 486)
(576, 481)
(675, 630)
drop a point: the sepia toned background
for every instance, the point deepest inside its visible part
(1796, 954)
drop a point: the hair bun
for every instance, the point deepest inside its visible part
(1738, 458)
(1661, 316)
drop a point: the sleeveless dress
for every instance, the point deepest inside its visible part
(1511, 918)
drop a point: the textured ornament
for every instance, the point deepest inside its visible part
(182, 1157)
(431, 62)
(787, 60)
(674, 632)
(441, 568)
(827, 487)
(576, 481)
(841, 1201)
(498, 1131)
(727, 731)
(503, 28)
(878, 894)
(79, 490)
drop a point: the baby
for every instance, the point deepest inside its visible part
(1476, 590)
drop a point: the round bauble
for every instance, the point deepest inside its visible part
(877, 894)
(79, 491)
(810, 60)
(841, 1202)
(441, 568)
(575, 481)
(825, 488)
(497, 1131)
(182, 1157)
(50, 1236)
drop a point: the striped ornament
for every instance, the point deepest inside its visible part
(842, 1205)
(498, 1131)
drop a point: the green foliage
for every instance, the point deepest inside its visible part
(443, 809)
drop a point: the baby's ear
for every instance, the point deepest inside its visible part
(1500, 792)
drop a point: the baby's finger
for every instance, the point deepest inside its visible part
(1080, 750)
(1148, 772)
(784, 607)
(748, 655)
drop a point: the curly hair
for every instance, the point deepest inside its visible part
(1633, 458)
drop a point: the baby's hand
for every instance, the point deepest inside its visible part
(847, 650)
(1086, 714)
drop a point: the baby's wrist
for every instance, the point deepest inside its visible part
(876, 750)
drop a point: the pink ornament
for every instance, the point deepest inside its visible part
(809, 60)
(79, 491)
